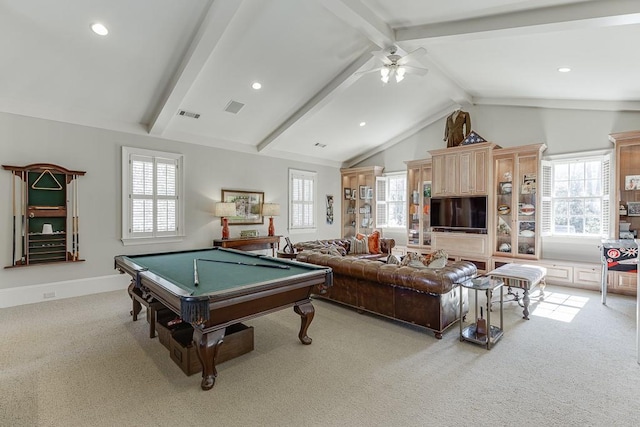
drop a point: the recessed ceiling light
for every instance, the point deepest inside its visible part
(363, 124)
(564, 69)
(256, 85)
(99, 29)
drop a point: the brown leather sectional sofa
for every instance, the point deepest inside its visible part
(426, 297)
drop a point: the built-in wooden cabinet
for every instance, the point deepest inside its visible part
(626, 201)
(463, 170)
(419, 187)
(627, 182)
(517, 200)
(359, 200)
(45, 214)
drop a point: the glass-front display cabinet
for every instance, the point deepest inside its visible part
(419, 188)
(517, 217)
(358, 203)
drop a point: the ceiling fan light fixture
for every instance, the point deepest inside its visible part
(384, 72)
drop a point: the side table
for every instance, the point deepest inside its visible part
(494, 333)
(287, 255)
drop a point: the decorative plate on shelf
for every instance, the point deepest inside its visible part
(527, 233)
(527, 209)
(504, 209)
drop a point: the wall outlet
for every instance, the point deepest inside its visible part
(49, 295)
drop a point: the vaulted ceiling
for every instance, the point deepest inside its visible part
(202, 56)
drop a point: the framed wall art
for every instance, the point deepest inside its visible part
(248, 206)
(632, 182)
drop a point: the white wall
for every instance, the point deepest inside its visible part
(26, 140)
(564, 131)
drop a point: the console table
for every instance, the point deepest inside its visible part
(250, 243)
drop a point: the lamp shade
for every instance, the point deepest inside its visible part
(270, 209)
(223, 209)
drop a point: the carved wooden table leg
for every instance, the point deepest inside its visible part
(306, 312)
(207, 346)
(525, 301)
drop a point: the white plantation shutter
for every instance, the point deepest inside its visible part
(606, 195)
(151, 194)
(391, 200)
(546, 217)
(302, 199)
(381, 202)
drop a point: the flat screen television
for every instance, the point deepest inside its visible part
(459, 213)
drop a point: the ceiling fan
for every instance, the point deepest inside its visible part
(394, 65)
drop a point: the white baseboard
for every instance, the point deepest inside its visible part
(58, 290)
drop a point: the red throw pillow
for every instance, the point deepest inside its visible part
(374, 242)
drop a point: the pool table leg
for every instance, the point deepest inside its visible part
(137, 307)
(306, 312)
(207, 346)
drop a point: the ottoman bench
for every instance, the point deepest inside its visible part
(524, 276)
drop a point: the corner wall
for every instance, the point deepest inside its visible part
(98, 152)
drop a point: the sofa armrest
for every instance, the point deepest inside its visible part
(386, 245)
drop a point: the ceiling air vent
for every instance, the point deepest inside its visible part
(233, 107)
(188, 114)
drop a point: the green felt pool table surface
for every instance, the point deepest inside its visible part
(229, 269)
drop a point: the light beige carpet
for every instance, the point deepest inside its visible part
(83, 362)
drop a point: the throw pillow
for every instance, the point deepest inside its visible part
(435, 256)
(392, 259)
(410, 257)
(359, 246)
(374, 242)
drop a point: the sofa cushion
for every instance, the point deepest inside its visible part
(359, 246)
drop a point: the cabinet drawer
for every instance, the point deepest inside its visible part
(587, 275)
(624, 283)
(558, 273)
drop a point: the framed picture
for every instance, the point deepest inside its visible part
(353, 193)
(347, 193)
(633, 208)
(248, 206)
(505, 187)
(632, 182)
(364, 191)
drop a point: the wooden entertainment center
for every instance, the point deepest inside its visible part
(510, 180)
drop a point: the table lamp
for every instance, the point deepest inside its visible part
(224, 210)
(271, 210)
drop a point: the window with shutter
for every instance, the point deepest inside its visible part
(576, 196)
(391, 197)
(151, 203)
(302, 196)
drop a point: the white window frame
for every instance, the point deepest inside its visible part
(294, 175)
(131, 238)
(548, 202)
(382, 202)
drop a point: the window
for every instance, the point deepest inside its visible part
(391, 200)
(302, 197)
(576, 196)
(152, 206)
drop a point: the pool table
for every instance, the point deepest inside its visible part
(216, 287)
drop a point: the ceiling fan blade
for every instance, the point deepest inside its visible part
(359, 73)
(412, 55)
(415, 70)
(382, 56)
